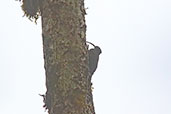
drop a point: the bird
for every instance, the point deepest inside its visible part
(93, 55)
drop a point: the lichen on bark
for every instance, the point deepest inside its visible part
(65, 56)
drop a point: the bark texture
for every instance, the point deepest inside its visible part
(66, 57)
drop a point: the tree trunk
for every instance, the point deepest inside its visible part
(66, 57)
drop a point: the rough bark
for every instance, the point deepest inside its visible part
(66, 57)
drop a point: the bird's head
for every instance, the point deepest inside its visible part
(98, 50)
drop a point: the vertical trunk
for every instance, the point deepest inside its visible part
(65, 56)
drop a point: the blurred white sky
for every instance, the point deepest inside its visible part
(134, 71)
